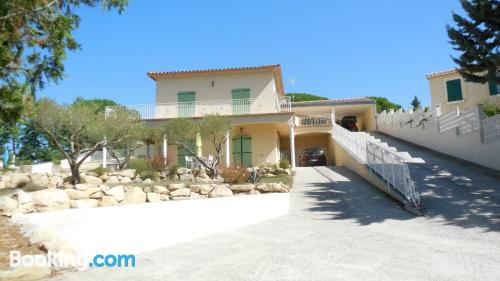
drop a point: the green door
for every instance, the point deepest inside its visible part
(186, 104)
(182, 153)
(242, 151)
(241, 101)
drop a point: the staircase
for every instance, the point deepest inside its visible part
(407, 158)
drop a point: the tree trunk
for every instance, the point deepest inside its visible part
(75, 174)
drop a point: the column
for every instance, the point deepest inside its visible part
(228, 151)
(104, 154)
(292, 145)
(165, 147)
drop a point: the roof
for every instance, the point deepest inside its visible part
(441, 73)
(333, 102)
(275, 68)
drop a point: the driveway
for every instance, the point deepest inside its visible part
(339, 228)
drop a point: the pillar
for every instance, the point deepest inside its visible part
(104, 154)
(292, 145)
(228, 151)
(165, 147)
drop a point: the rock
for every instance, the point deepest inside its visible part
(2, 185)
(129, 173)
(220, 190)
(96, 195)
(83, 203)
(153, 197)
(202, 176)
(40, 180)
(26, 273)
(288, 172)
(182, 171)
(23, 197)
(181, 192)
(117, 192)
(164, 197)
(201, 188)
(159, 189)
(92, 180)
(147, 181)
(272, 187)
(186, 177)
(253, 192)
(202, 180)
(92, 190)
(50, 199)
(75, 194)
(18, 180)
(7, 205)
(56, 181)
(83, 186)
(104, 177)
(103, 187)
(108, 201)
(125, 180)
(242, 187)
(112, 179)
(194, 196)
(175, 186)
(134, 195)
(269, 175)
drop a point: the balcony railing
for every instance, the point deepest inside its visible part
(211, 107)
(318, 120)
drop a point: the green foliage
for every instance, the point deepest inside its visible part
(269, 165)
(235, 175)
(98, 104)
(476, 37)
(139, 165)
(384, 104)
(491, 109)
(35, 147)
(172, 171)
(34, 38)
(100, 171)
(415, 103)
(284, 164)
(296, 97)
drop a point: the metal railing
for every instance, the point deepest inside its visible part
(490, 128)
(380, 160)
(210, 107)
(318, 120)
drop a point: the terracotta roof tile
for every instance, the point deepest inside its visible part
(440, 73)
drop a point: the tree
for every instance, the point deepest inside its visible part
(477, 38)
(99, 104)
(183, 132)
(297, 97)
(384, 104)
(34, 38)
(35, 147)
(415, 103)
(76, 131)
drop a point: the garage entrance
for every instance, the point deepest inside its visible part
(304, 143)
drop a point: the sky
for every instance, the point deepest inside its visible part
(336, 49)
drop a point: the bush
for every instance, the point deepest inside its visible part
(139, 165)
(148, 174)
(235, 175)
(172, 171)
(25, 162)
(158, 164)
(100, 171)
(491, 109)
(269, 165)
(284, 164)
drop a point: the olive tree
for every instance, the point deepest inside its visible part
(212, 128)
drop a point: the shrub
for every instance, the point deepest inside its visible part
(25, 162)
(148, 174)
(172, 171)
(158, 164)
(139, 165)
(491, 109)
(284, 164)
(235, 175)
(269, 165)
(100, 171)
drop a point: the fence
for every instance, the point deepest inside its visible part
(380, 160)
(318, 120)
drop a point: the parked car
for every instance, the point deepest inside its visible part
(350, 123)
(312, 156)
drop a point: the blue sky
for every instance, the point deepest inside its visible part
(337, 49)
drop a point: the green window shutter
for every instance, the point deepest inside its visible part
(181, 153)
(247, 151)
(237, 151)
(186, 106)
(454, 90)
(241, 101)
(492, 86)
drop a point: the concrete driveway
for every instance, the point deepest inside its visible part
(341, 228)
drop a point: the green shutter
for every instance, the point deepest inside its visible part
(242, 151)
(181, 153)
(454, 90)
(186, 106)
(241, 101)
(492, 86)
(237, 151)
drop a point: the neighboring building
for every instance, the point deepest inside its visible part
(449, 91)
(267, 126)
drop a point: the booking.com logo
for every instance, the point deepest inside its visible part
(63, 260)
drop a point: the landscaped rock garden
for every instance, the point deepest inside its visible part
(22, 193)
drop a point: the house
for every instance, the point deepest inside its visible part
(449, 90)
(266, 125)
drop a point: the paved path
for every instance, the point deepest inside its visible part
(339, 228)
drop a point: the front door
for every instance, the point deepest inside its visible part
(242, 151)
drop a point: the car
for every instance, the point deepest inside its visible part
(350, 123)
(312, 156)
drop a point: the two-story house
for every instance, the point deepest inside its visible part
(449, 90)
(266, 125)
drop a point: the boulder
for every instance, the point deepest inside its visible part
(182, 192)
(220, 190)
(103, 187)
(194, 196)
(129, 173)
(134, 195)
(83, 203)
(108, 200)
(202, 180)
(92, 180)
(272, 187)
(56, 181)
(117, 192)
(186, 177)
(7, 205)
(242, 187)
(175, 186)
(153, 197)
(288, 172)
(92, 190)
(159, 189)
(201, 188)
(182, 171)
(50, 199)
(2, 185)
(23, 197)
(112, 179)
(147, 181)
(75, 194)
(83, 186)
(40, 180)
(96, 195)
(125, 180)
(253, 192)
(164, 197)
(202, 176)
(269, 175)
(18, 180)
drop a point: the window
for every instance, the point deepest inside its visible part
(494, 87)
(186, 104)
(241, 101)
(454, 90)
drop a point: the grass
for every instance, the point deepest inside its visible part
(286, 179)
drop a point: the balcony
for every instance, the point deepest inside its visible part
(212, 107)
(318, 120)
